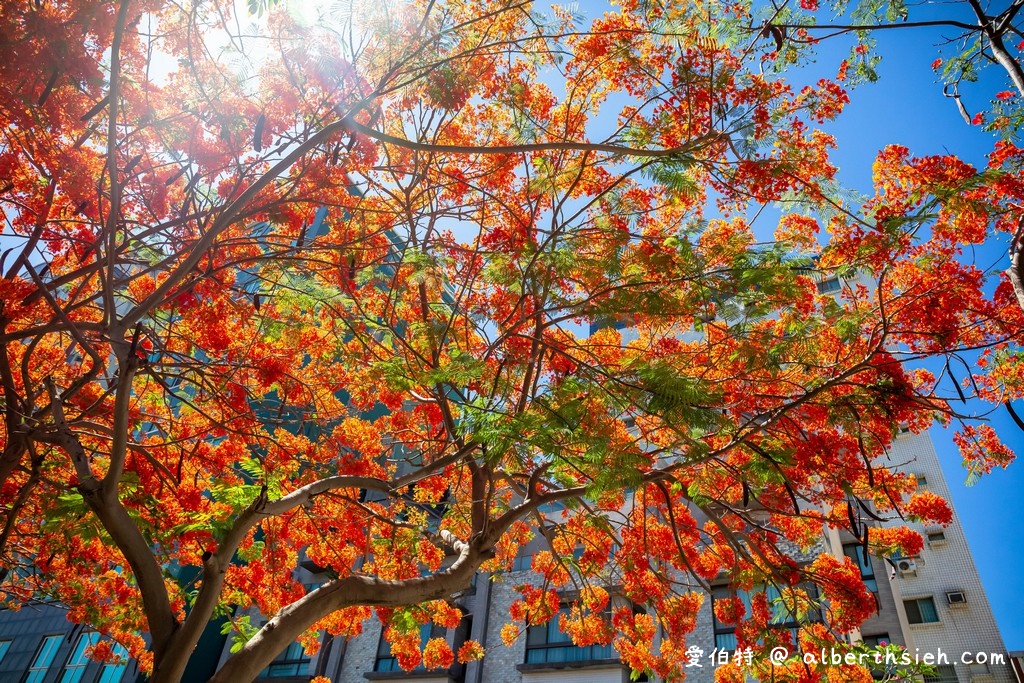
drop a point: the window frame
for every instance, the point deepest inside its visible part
(867, 569)
(830, 285)
(877, 638)
(945, 673)
(284, 660)
(979, 669)
(36, 672)
(790, 623)
(113, 672)
(77, 661)
(427, 631)
(916, 603)
(589, 653)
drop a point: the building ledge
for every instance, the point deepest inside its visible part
(421, 675)
(556, 666)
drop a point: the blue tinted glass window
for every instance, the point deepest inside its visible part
(113, 671)
(43, 659)
(75, 667)
(385, 662)
(546, 644)
(292, 662)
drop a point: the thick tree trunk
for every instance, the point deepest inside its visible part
(1016, 273)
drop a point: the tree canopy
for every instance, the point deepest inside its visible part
(379, 287)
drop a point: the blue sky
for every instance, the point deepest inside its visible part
(906, 106)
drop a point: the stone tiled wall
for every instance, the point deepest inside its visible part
(499, 665)
(360, 654)
(703, 638)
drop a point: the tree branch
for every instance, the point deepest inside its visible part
(847, 28)
(122, 529)
(113, 95)
(568, 145)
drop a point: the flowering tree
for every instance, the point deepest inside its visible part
(974, 41)
(970, 37)
(327, 288)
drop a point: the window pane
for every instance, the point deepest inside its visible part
(536, 635)
(73, 675)
(292, 662)
(725, 641)
(544, 644)
(921, 611)
(47, 651)
(113, 672)
(943, 674)
(5, 645)
(388, 664)
(574, 654)
(535, 656)
(855, 552)
(830, 285)
(554, 635)
(77, 662)
(928, 612)
(913, 613)
(44, 657)
(287, 670)
(383, 648)
(570, 653)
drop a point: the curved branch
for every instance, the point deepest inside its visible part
(113, 96)
(171, 666)
(568, 145)
(304, 495)
(123, 530)
(847, 28)
(350, 591)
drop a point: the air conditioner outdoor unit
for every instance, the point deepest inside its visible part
(956, 598)
(907, 567)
